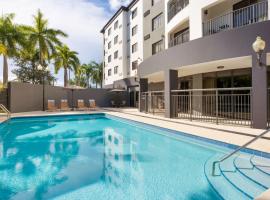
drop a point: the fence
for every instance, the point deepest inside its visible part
(248, 15)
(228, 105)
(4, 97)
(153, 102)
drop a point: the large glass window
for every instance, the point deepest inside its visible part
(157, 47)
(134, 13)
(157, 22)
(134, 30)
(134, 47)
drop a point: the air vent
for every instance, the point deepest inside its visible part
(146, 13)
(147, 37)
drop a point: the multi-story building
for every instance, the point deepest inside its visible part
(133, 34)
(209, 70)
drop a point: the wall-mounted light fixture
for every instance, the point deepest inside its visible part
(258, 47)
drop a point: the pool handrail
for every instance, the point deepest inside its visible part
(237, 150)
(6, 111)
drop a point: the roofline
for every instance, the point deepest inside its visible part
(122, 8)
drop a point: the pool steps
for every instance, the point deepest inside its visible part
(241, 175)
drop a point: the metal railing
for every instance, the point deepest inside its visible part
(180, 39)
(236, 151)
(248, 15)
(226, 105)
(153, 102)
(175, 6)
(5, 110)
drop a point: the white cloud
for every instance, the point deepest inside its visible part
(80, 19)
(115, 4)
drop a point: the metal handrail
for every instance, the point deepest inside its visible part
(213, 89)
(237, 150)
(6, 111)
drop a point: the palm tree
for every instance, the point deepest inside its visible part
(97, 74)
(67, 59)
(10, 39)
(88, 70)
(43, 38)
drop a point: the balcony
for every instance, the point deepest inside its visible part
(242, 17)
(175, 6)
(180, 39)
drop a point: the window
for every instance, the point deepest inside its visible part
(109, 31)
(109, 72)
(115, 55)
(115, 70)
(116, 25)
(109, 58)
(134, 47)
(134, 13)
(134, 30)
(157, 22)
(115, 39)
(135, 65)
(109, 45)
(157, 47)
(155, 1)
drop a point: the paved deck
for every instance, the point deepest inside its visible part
(236, 135)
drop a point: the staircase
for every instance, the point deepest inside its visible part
(239, 177)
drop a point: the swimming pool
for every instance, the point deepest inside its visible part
(101, 157)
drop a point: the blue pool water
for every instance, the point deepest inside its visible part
(99, 157)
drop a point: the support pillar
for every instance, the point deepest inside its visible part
(142, 88)
(170, 83)
(259, 93)
(197, 83)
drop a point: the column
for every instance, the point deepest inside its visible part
(142, 88)
(197, 83)
(259, 93)
(170, 83)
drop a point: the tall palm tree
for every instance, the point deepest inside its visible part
(67, 59)
(88, 70)
(97, 74)
(42, 37)
(10, 39)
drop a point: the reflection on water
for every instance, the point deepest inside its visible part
(45, 159)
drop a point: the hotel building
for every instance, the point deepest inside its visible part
(203, 66)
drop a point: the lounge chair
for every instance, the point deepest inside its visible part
(81, 105)
(113, 103)
(64, 105)
(123, 103)
(51, 106)
(92, 104)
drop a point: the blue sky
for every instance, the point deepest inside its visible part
(82, 20)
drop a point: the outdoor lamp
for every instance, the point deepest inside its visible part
(258, 47)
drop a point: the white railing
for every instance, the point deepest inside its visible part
(180, 39)
(248, 15)
(226, 105)
(5, 110)
(175, 6)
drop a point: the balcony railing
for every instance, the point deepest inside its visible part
(175, 6)
(248, 15)
(226, 105)
(180, 39)
(153, 102)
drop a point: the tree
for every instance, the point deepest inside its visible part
(43, 38)
(26, 71)
(97, 74)
(11, 37)
(67, 59)
(88, 70)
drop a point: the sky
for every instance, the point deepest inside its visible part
(82, 20)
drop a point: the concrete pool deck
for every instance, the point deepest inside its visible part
(236, 135)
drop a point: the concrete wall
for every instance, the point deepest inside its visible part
(223, 45)
(156, 35)
(4, 97)
(24, 97)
